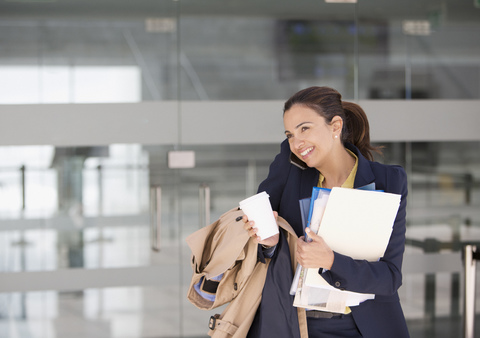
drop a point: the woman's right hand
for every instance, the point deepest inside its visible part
(249, 226)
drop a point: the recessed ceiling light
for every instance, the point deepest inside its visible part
(416, 27)
(31, 1)
(342, 1)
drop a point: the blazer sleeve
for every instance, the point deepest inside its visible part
(382, 278)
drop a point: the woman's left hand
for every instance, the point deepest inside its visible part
(314, 254)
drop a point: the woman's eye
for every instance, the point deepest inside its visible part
(305, 128)
(289, 135)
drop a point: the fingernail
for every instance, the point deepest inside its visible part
(307, 229)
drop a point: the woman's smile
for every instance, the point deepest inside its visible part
(306, 151)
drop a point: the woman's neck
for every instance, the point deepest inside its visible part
(338, 169)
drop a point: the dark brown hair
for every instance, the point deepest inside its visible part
(327, 102)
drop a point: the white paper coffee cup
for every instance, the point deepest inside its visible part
(258, 209)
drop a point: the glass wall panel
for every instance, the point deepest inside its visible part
(250, 53)
(443, 64)
(247, 51)
(429, 50)
(67, 54)
(102, 222)
(442, 216)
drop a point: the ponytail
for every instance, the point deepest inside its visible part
(356, 129)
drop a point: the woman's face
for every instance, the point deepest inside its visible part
(309, 136)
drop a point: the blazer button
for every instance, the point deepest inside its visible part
(337, 284)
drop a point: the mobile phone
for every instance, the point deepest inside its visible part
(297, 162)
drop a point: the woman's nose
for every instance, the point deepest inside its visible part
(297, 142)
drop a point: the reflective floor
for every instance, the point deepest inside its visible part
(163, 310)
(131, 312)
(121, 312)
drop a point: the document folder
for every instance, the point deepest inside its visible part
(355, 222)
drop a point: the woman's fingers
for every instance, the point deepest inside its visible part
(314, 254)
(250, 227)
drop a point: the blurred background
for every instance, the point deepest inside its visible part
(96, 96)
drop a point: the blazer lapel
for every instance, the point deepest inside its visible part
(364, 174)
(309, 179)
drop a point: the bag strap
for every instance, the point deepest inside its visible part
(215, 323)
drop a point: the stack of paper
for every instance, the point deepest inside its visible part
(353, 222)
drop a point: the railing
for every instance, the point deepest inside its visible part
(205, 205)
(470, 258)
(155, 217)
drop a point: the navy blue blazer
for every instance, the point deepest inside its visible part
(382, 317)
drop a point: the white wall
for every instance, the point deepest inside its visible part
(221, 122)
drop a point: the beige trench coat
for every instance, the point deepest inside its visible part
(225, 247)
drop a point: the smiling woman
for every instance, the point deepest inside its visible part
(332, 139)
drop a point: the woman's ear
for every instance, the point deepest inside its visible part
(337, 125)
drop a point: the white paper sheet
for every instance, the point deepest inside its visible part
(359, 223)
(314, 280)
